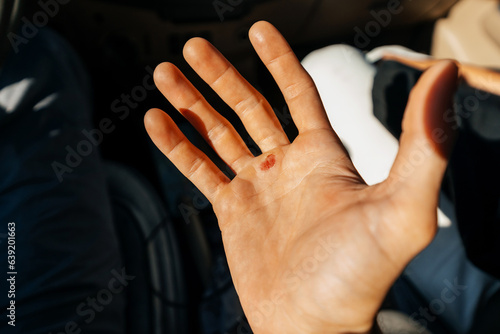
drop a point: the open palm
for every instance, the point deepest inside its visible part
(311, 248)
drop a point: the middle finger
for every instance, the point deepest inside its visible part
(253, 109)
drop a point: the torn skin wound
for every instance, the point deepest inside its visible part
(268, 163)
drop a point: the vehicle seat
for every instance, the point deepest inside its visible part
(156, 299)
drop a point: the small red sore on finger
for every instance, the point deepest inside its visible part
(268, 163)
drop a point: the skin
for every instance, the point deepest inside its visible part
(311, 247)
(477, 77)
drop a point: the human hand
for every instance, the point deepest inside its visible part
(311, 247)
(477, 77)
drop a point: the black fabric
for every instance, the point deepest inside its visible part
(472, 180)
(67, 258)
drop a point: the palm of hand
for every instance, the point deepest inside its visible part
(307, 222)
(311, 247)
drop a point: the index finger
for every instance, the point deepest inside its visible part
(298, 88)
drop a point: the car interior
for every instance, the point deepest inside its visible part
(168, 233)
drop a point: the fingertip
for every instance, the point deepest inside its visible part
(267, 41)
(258, 31)
(447, 67)
(433, 92)
(147, 118)
(162, 71)
(442, 74)
(193, 47)
(151, 118)
(438, 84)
(440, 116)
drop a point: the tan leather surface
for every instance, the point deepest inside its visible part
(466, 35)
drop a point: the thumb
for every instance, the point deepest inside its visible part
(428, 135)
